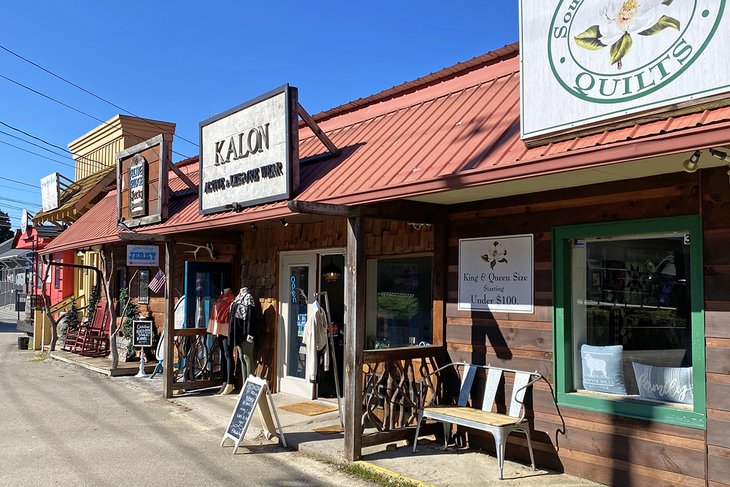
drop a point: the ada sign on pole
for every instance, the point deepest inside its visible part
(49, 192)
(497, 274)
(585, 63)
(143, 256)
(248, 155)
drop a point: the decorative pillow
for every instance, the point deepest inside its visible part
(603, 369)
(671, 384)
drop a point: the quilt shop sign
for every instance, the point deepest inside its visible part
(588, 63)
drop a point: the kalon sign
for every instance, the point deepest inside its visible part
(249, 154)
(591, 63)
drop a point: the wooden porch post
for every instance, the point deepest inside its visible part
(169, 351)
(355, 289)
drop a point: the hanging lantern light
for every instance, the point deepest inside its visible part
(331, 272)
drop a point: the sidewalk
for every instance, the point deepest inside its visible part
(430, 466)
(8, 317)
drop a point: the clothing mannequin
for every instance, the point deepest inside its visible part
(243, 330)
(218, 324)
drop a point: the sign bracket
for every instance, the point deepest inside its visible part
(317, 131)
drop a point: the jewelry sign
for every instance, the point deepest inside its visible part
(496, 274)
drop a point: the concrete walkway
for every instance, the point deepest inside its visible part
(431, 465)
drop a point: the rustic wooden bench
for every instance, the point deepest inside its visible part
(499, 425)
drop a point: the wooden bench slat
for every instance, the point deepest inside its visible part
(454, 413)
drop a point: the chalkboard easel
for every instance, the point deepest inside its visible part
(248, 399)
(141, 337)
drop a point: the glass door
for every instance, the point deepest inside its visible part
(298, 285)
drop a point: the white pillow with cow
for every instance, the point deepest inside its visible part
(603, 368)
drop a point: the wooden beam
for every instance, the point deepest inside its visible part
(355, 292)
(182, 176)
(317, 131)
(406, 210)
(440, 271)
(314, 208)
(169, 325)
(412, 211)
(145, 237)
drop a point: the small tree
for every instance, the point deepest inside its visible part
(94, 297)
(72, 318)
(130, 313)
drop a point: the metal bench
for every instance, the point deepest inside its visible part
(499, 425)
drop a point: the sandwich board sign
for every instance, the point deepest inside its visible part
(255, 391)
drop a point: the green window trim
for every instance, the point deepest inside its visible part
(562, 344)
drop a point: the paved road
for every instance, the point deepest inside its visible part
(60, 425)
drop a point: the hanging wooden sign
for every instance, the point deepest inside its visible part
(251, 396)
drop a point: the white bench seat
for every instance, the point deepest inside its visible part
(450, 413)
(499, 425)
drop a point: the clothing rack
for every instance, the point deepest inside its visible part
(331, 342)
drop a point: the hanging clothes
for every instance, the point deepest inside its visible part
(219, 315)
(315, 339)
(242, 317)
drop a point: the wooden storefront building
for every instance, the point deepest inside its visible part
(622, 244)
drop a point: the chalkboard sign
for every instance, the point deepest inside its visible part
(248, 399)
(142, 333)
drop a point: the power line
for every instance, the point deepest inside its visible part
(34, 153)
(39, 146)
(88, 161)
(21, 202)
(18, 189)
(89, 92)
(69, 106)
(20, 182)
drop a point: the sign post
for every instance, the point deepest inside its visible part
(141, 337)
(248, 399)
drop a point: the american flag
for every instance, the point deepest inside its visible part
(157, 282)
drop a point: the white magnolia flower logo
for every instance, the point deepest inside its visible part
(622, 18)
(496, 254)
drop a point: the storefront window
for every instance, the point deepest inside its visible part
(204, 283)
(401, 302)
(629, 334)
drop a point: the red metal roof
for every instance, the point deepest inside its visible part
(452, 129)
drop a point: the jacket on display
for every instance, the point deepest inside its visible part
(219, 315)
(242, 317)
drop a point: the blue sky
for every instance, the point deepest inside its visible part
(183, 61)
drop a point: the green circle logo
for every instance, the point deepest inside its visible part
(612, 51)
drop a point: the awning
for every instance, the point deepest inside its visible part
(15, 258)
(78, 198)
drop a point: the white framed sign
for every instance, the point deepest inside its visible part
(249, 154)
(138, 186)
(587, 63)
(497, 274)
(49, 192)
(143, 256)
(24, 221)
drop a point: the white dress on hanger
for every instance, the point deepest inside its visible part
(315, 339)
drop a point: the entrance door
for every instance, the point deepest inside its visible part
(298, 285)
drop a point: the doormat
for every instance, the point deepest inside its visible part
(309, 408)
(329, 430)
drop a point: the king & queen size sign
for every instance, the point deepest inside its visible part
(590, 63)
(249, 154)
(496, 274)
